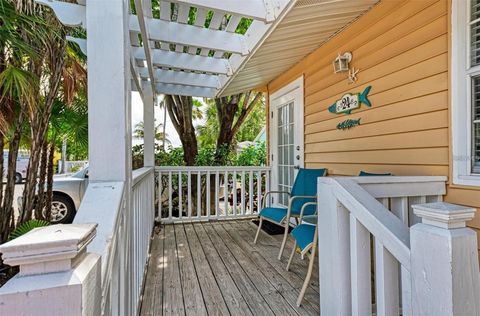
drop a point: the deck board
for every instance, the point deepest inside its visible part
(212, 295)
(173, 300)
(194, 304)
(214, 268)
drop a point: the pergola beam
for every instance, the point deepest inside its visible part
(190, 35)
(255, 9)
(142, 15)
(176, 60)
(69, 14)
(184, 90)
(183, 78)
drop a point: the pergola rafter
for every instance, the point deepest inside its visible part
(179, 56)
(144, 12)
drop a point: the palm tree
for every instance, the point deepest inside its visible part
(160, 136)
(17, 93)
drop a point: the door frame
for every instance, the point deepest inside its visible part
(292, 91)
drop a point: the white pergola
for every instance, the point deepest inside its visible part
(176, 54)
(185, 47)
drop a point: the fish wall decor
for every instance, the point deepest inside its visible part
(350, 101)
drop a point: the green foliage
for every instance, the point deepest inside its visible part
(207, 134)
(255, 155)
(24, 228)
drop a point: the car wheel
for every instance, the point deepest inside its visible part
(63, 210)
(18, 178)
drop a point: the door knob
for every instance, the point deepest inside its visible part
(298, 157)
(296, 167)
(298, 147)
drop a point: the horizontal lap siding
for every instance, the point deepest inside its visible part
(401, 49)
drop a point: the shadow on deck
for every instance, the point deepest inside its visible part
(214, 268)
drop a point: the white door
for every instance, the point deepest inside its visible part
(286, 137)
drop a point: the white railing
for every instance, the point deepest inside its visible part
(365, 218)
(123, 237)
(205, 193)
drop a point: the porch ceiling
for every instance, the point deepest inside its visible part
(308, 25)
(196, 47)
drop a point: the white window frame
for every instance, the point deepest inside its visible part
(461, 102)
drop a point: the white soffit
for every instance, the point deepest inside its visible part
(308, 25)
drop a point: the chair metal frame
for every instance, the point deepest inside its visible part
(286, 221)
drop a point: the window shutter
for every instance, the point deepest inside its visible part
(476, 124)
(475, 33)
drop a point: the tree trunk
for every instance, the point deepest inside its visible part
(7, 206)
(180, 112)
(39, 125)
(50, 171)
(40, 204)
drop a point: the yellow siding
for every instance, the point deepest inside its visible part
(402, 51)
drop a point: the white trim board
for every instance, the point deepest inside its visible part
(461, 106)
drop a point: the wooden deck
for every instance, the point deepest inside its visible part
(215, 269)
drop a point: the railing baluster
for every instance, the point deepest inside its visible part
(259, 191)
(250, 192)
(406, 292)
(267, 182)
(208, 194)
(414, 219)
(225, 193)
(217, 186)
(169, 194)
(386, 280)
(243, 193)
(189, 198)
(180, 191)
(399, 207)
(199, 194)
(234, 192)
(360, 268)
(160, 195)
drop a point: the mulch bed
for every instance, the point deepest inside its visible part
(6, 273)
(272, 228)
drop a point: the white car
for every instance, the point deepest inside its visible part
(68, 191)
(22, 165)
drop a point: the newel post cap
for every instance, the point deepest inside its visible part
(48, 249)
(444, 215)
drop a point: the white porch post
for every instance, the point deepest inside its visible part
(334, 252)
(148, 127)
(109, 92)
(444, 261)
(57, 276)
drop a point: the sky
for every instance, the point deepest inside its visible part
(137, 117)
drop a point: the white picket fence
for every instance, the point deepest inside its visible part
(364, 235)
(204, 193)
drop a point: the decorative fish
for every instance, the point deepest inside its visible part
(348, 124)
(350, 101)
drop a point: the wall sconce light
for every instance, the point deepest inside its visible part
(341, 63)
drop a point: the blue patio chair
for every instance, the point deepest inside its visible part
(304, 239)
(301, 202)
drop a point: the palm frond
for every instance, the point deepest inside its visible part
(24, 228)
